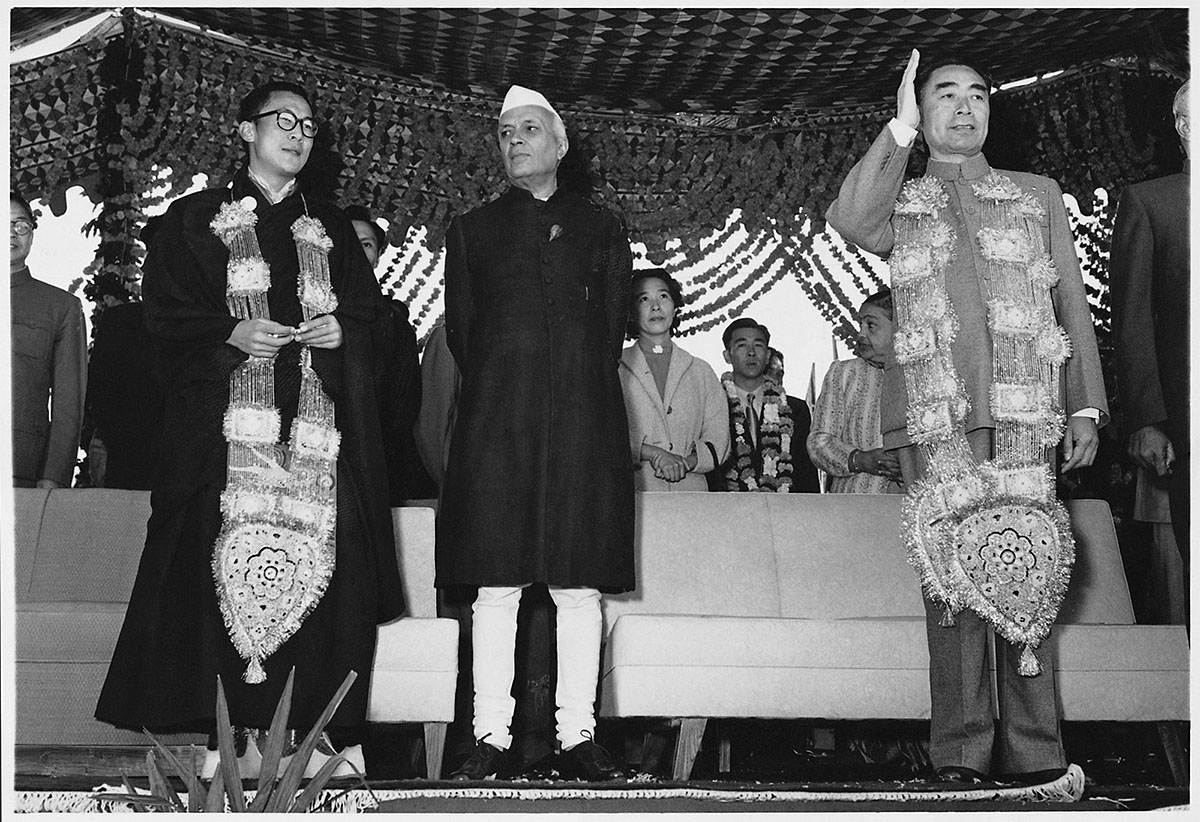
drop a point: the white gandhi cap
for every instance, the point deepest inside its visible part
(520, 96)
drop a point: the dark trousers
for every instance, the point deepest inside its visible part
(1181, 520)
(962, 728)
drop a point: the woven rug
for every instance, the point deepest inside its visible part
(1068, 788)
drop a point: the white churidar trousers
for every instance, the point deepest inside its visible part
(493, 641)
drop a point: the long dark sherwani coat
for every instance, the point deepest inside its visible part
(538, 486)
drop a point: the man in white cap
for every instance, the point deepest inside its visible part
(538, 486)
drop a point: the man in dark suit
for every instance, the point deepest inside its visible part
(763, 456)
(1149, 277)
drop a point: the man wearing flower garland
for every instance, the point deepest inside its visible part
(763, 424)
(269, 547)
(970, 416)
(538, 488)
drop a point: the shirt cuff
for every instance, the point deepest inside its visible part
(1092, 414)
(904, 134)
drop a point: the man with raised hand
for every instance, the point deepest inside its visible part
(981, 228)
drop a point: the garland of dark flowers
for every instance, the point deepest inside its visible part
(774, 437)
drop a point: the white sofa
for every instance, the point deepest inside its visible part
(77, 553)
(803, 606)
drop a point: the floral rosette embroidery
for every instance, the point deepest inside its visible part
(987, 536)
(775, 431)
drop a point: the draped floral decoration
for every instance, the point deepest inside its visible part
(739, 204)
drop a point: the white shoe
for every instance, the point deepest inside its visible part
(248, 764)
(352, 756)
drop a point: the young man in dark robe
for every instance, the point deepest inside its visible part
(538, 487)
(324, 490)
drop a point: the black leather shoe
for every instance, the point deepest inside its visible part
(589, 762)
(486, 761)
(1031, 778)
(959, 774)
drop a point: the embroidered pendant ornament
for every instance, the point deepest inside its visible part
(274, 556)
(987, 536)
(775, 430)
(656, 348)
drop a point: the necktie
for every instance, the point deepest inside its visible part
(751, 420)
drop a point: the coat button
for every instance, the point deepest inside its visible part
(547, 280)
(549, 301)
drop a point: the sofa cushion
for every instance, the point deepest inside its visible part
(1123, 673)
(756, 667)
(86, 545)
(701, 553)
(840, 556)
(1098, 593)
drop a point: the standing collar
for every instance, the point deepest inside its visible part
(273, 196)
(20, 277)
(973, 168)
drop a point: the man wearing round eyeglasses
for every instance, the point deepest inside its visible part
(49, 366)
(244, 285)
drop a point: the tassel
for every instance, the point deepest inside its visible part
(1029, 665)
(254, 672)
(947, 620)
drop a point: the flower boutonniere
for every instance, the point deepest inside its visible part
(556, 231)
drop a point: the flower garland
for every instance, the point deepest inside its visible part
(274, 556)
(989, 536)
(774, 441)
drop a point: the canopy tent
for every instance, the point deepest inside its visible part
(705, 127)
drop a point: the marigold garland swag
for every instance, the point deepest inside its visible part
(987, 536)
(774, 438)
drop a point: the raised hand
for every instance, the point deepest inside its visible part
(907, 110)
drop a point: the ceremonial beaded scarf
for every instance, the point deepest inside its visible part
(988, 536)
(275, 553)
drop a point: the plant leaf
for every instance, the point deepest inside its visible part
(312, 791)
(188, 775)
(215, 802)
(136, 806)
(159, 786)
(290, 782)
(137, 799)
(228, 764)
(277, 739)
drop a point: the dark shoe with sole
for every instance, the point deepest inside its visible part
(485, 762)
(959, 774)
(589, 762)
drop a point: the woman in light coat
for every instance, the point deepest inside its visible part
(678, 414)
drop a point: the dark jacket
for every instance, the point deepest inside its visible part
(538, 486)
(1149, 274)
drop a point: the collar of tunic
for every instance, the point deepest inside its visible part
(973, 168)
(20, 277)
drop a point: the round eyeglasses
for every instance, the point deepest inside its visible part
(20, 227)
(287, 121)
